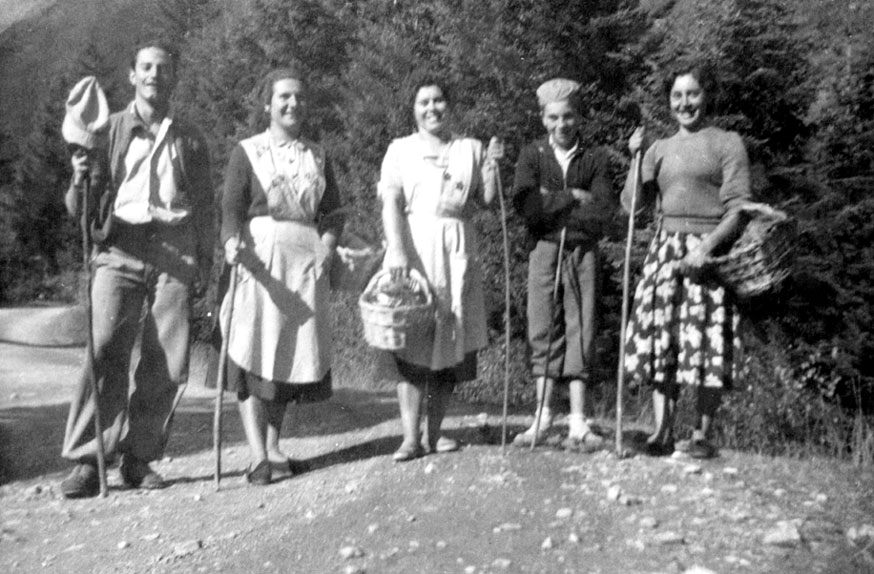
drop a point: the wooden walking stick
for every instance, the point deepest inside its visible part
(222, 375)
(506, 239)
(626, 279)
(89, 326)
(558, 264)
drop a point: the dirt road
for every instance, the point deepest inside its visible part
(470, 512)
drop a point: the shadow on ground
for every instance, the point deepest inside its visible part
(31, 436)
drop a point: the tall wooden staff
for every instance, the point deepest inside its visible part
(92, 378)
(506, 239)
(626, 280)
(222, 376)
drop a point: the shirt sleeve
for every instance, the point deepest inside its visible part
(649, 174)
(735, 188)
(236, 194)
(390, 173)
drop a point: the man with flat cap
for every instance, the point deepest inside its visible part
(151, 220)
(563, 192)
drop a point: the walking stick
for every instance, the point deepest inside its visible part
(626, 279)
(92, 378)
(222, 375)
(505, 237)
(558, 264)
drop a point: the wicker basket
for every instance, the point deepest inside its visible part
(393, 328)
(761, 259)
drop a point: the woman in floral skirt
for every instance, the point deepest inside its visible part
(684, 330)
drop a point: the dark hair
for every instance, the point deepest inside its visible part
(703, 72)
(427, 81)
(265, 91)
(160, 44)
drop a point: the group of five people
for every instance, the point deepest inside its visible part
(282, 216)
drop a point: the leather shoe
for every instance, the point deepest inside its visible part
(136, 473)
(703, 449)
(444, 445)
(291, 466)
(407, 452)
(82, 482)
(260, 475)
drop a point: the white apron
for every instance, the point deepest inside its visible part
(280, 327)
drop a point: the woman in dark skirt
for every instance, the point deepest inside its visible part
(279, 225)
(683, 330)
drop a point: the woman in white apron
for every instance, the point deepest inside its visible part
(429, 185)
(277, 226)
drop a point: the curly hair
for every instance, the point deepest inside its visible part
(427, 81)
(702, 70)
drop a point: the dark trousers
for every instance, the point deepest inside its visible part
(572, 320)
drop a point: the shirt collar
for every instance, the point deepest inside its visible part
(139, 123)
(569, 153)
(300, 143)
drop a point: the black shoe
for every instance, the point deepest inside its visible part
(658, 448)
(260, 475)
(83, 482)
(137, 474)
(703, 449)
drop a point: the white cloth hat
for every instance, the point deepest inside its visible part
(556, 90)
(87, 116)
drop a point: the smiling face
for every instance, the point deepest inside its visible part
(431, 109)
(286, 105)
(688, 102)
(153, 76)
(562, 123)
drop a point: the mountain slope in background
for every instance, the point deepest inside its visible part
(46, 37)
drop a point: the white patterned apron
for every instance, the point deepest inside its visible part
(281, 325)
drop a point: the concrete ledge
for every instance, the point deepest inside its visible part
(46, 326)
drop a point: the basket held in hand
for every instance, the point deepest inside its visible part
(390, 327)
(761, 258)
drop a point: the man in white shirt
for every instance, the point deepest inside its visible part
(151, 219)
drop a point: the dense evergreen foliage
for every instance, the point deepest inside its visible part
(796, 82)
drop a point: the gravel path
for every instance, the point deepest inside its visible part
(470, 512)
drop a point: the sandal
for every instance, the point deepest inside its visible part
(406, 453)
(703, 449)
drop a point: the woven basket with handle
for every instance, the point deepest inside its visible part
(390, 326)
(762, 257)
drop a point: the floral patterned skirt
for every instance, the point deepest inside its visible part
(680, 330)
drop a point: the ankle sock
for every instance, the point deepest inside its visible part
(577, 426)
(545, 421)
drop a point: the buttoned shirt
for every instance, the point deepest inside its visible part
(148, 191)
(563, 157)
